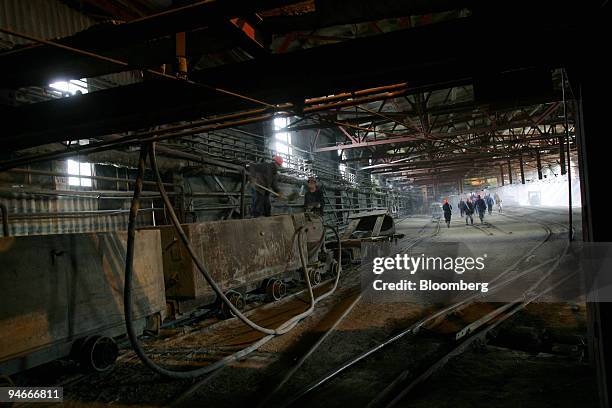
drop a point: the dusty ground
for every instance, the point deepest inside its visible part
(535, 358)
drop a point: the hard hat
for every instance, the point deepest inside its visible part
(278, 160)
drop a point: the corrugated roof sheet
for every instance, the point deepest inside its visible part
(41, 18)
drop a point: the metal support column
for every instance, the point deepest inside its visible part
(509, 173)
(501, 172)
(522, 168)
(242, 190)
(539, 164)
(562, 154)
(181, 55)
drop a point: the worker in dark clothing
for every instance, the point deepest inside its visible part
(263, 180)
(481, 205)
(447, 208)
(490, 202)
(314, 199)
(469, 211)
(461, 206)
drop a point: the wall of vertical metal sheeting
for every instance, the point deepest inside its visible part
(21, 207)
(41, 18)
(50, 19)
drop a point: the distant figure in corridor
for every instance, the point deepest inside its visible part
(490, 202)
(469, 211)
(447, 208)
(481, 206)
(498, 200)
(263, 180)
(461, 206)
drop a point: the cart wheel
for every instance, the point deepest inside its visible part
(153, 324)
(315, 277)
(235, 299)
(276, 289)
(5, 381)
(98, 353)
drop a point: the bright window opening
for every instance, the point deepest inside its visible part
(71, 87)
(79, 170)
(282, 139)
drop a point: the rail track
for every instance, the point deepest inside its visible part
(492, 315)
(476, 331)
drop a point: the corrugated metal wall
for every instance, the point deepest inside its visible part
(34, 214)
(41, 18)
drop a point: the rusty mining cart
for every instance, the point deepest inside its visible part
(63, 296)
(372, 226)
(244, 256)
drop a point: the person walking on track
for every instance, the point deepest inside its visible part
(490, 202)
(469, 211)
(481, 206)
(447, 208)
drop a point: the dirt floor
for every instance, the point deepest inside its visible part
(537, 357)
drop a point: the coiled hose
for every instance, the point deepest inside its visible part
(149, 149)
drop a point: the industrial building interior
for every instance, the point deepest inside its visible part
(194, 196)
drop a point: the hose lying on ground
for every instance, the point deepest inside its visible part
(283, 328)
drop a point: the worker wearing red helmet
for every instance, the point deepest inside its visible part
(263, 177)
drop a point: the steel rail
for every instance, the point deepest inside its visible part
(265, 402)
(414, 328)
(497, 316)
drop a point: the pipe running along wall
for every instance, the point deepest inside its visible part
(149, 149)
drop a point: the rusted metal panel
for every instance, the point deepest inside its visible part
(236, 252)
(59, 288)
